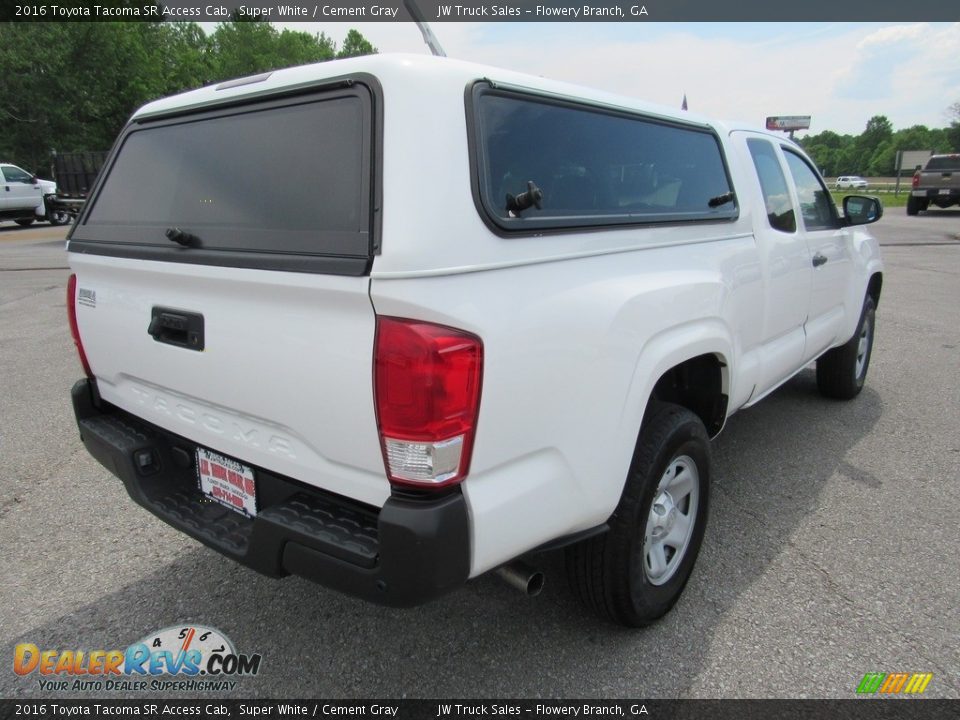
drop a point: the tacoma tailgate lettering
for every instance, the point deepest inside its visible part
(231, 427)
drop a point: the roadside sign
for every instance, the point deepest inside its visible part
(788, 122)
(910, 159)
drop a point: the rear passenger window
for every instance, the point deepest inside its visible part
(773, 184)
(594, 166)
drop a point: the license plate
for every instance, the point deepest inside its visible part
(945, 192)
(227, 482)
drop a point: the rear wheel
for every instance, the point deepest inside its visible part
(635, 573)
(842, 371)
(24, 221)
(58, 217)
(915, 205)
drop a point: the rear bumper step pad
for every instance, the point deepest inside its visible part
(408, 552)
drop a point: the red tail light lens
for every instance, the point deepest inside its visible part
(427, 388)
(916, 178)
(74, 328)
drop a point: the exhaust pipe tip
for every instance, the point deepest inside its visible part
(522, 577)
(536, 583)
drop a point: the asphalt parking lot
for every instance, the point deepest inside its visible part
(833, 547)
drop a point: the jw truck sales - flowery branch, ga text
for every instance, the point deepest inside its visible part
(277, 12)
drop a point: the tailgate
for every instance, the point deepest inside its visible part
(940, 180)
(283, 381)
(222, 283)
(941, 173)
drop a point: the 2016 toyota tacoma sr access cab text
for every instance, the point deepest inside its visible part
(390, 323)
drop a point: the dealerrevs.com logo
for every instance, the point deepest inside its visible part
(185, 658)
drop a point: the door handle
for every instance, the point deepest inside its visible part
(819, 260)
(174, 327)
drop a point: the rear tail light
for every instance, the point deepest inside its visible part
(427, 389)
(74, 328)
(916, 178)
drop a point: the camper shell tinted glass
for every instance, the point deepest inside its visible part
(282, 184)
(595, 166)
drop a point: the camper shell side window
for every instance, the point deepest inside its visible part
(542, 163)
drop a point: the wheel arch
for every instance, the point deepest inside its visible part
(688, 365)
(874, 286)
(697, 384)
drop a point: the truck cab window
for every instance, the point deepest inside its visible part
(773, 184)
(816, 205)
(15, 174)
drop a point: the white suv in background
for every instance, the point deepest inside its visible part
(851, 182)
(23, 197)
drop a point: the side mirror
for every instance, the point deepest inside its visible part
(861, 210)
(34, 180)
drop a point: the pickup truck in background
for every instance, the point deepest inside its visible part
(75, 173)
(393, 322)
(25, 198)
(937, 183)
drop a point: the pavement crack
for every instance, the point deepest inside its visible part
(833, 587)
(35, 293)
(7, 505)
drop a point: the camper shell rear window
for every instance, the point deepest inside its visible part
(284, 184)
(595, 166)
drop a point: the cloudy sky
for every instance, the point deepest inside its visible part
(839, 73)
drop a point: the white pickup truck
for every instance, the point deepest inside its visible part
(393, 322)
(25, 197)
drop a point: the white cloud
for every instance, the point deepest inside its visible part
(910, 72)
(840, 75)
(893, 35)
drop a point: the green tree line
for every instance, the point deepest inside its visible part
(72, 86)
(874, 151)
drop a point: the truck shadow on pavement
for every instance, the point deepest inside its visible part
(12, 227)
(771, 465)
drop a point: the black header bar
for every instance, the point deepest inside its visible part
(354, 11)
(211, 707)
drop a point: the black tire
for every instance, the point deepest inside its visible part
(914, 205)
(24, 221)
(608, 573)
(58, 217)
(842, 371)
